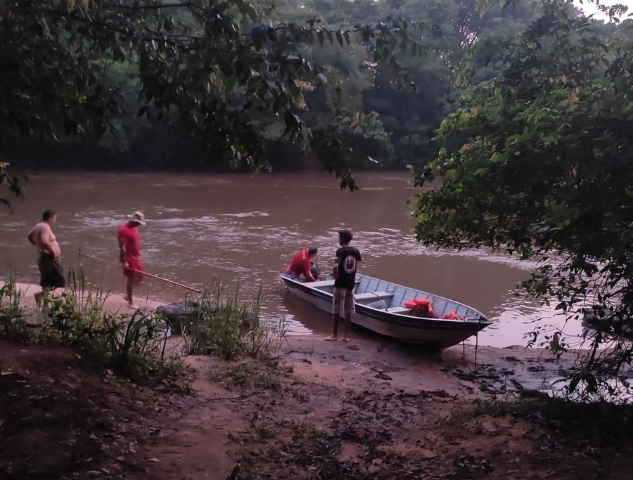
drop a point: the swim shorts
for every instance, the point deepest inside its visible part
(344, 296)
(51, 271)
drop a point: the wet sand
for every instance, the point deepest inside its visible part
(113, 302)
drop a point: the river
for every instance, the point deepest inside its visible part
(244, 229)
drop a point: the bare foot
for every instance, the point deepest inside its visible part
(346, 339)
(331, 339)
(133, 305)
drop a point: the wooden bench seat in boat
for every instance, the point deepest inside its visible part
(325, 283)
(400, 310)
(321, 283)
(373, 296)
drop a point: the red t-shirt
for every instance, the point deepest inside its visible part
(129, 238)
(300, 264)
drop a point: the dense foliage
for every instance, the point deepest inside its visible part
(537, 162)
(214, 69)
(226, 81)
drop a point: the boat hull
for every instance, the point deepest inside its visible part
(432, 333)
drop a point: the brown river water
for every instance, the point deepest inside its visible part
(244, 229)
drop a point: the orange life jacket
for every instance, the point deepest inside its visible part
(452, 315)
(420, 307)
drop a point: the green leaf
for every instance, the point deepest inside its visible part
(247, 10)
(142, 111)
(339, 38)
(230, 84)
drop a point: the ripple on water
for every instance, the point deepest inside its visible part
(14, 225)
(96, 220)
(246, 214)
(160, 210)
(515, 321)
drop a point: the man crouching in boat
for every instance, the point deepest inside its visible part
(344, 270)
(301, 264)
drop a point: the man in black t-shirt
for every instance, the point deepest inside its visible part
(344, 270)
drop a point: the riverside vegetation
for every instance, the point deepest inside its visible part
(64, 362)
(120, 409)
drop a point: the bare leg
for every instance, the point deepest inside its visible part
(334, 336)
(348, 320)
(129, 287)
(131, 283)
(41, 298)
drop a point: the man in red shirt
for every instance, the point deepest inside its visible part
(130, 253)
(301, 263)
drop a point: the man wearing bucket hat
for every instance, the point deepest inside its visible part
(130, 253)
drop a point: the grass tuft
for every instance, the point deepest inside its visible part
(229, 328)
(134, 345)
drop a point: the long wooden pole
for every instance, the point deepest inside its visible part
(148, 274)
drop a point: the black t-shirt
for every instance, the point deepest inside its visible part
(346, 259)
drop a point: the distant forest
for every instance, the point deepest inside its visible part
(391, 123)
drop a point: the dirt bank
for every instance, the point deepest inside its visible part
(370, 409)
(373, 410)
(113, 301)
(62, 416)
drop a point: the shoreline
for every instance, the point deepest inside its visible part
(464, 371)
(372, 361)
(113, 301)
(372, 408)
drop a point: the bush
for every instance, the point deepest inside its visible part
(230, 328)
(134, 345)
(11, 310)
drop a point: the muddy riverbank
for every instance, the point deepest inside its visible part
(368, 409)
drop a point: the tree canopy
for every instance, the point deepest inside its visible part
(219, 68)
(537, 162)
(227, 79)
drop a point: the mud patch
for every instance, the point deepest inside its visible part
(63, 417)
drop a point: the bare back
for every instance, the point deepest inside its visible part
(44, 239)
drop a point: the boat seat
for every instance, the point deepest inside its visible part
(400, 310)
(373, 296)
(324, 283)
(321, 283)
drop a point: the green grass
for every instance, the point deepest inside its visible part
(225, 326)
(134, 345)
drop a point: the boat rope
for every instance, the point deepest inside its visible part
(476, 348)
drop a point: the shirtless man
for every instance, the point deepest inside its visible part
(51, 270)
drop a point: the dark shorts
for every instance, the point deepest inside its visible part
(51, 271)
